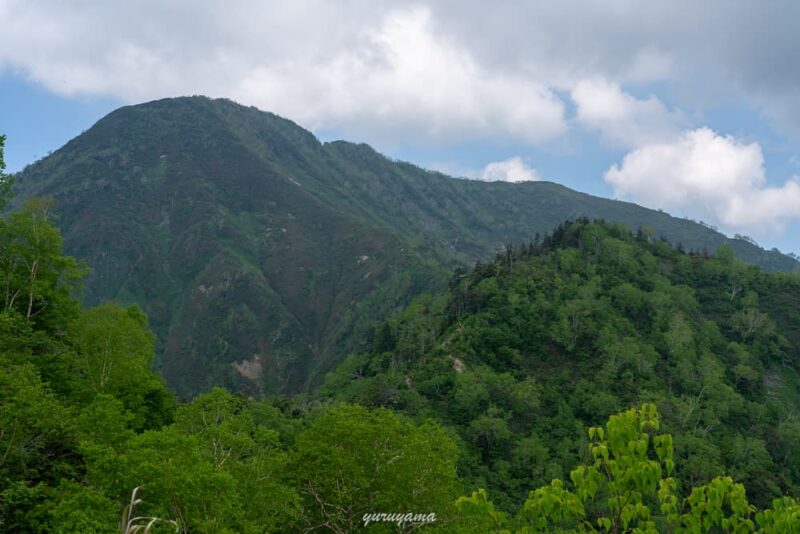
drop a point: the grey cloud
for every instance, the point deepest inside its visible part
(706, 51)
(709, 50)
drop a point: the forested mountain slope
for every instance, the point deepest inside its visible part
(262, 255)
(93, 440)
(524, 353)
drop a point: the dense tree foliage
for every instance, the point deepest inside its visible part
(627, 486)
(6, 182)
(525, 353)
(499, 380)
(84, 422)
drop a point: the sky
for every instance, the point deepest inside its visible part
(690, 107)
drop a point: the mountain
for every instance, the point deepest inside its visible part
(523, 354)
(262, 256)
(514, 360)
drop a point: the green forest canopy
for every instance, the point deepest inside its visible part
(523, 354)
(84, 420)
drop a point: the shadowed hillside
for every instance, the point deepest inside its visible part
(262, 256)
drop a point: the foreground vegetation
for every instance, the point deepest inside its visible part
(628, 487)
(84, 421)
(495, 384)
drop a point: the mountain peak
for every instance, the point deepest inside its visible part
(257, 251)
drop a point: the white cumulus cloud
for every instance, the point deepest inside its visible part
(708, 176)
(622, 119)
(509, 170)
(510, 55)
(369, 70)
(403, 78)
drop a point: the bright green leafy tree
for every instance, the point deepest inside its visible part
(113, 354)
(231, 439)
(6, 182)
(352, 461)
(628, 487)
(38, 282)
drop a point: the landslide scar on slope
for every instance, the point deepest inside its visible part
(252, 368)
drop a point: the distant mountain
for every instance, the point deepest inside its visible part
(263, 256)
